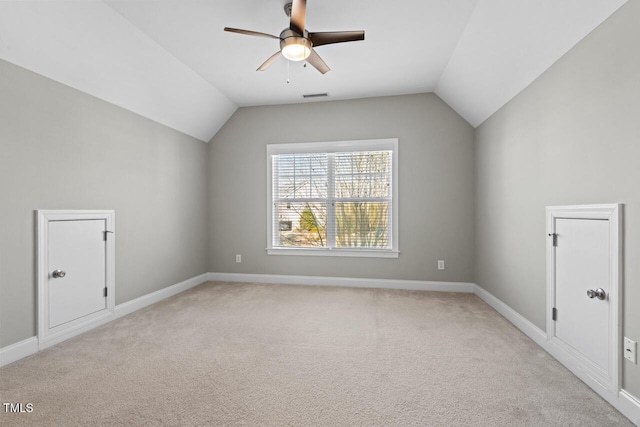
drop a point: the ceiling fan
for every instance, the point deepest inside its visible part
(296, 43)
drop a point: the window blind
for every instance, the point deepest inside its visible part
(332, 200)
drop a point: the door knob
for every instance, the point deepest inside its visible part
(58, 274)
(598, 293)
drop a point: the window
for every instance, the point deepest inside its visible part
(334, 198)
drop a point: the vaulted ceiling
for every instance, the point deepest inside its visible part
(171, 61)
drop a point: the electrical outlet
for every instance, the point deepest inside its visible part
(440, 264)
(630, 350)
(238, 258)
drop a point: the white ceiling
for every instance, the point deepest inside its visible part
(171, 61)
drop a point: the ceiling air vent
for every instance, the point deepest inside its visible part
(315, 95)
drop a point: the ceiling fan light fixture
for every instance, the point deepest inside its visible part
(296, 48)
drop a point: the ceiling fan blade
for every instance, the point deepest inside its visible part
(250, 33)
(298, 16)
(269, 61)
(330, 37)
(317, 62)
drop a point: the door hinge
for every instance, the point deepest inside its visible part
(105, 234)
(555, 238)
(105, 291)
(554, 314)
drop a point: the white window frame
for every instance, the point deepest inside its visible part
(335, 147)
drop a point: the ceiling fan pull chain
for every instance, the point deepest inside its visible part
(288, 74)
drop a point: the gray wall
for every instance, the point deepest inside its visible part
(572, 137)
(435, 185)
(62, 149)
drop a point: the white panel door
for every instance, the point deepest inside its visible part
(582, 265)
(78, 249)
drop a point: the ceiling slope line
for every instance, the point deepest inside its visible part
(508, 45)
(112, 61)
(462, 33)
(224, 118)
(168, 52)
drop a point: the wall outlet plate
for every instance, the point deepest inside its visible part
(238, 258)
(440, 264)
(630, 350)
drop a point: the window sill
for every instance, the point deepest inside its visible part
(360, 253)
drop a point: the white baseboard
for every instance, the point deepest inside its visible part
(529, 329)
(30, 346)
(631, 406)
(624, 402)
(19, 350)
(415, 285)
(154, 297)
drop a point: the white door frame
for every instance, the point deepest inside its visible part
(50, 336)
(612, 213)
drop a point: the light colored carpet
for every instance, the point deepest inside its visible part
(268, 355)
